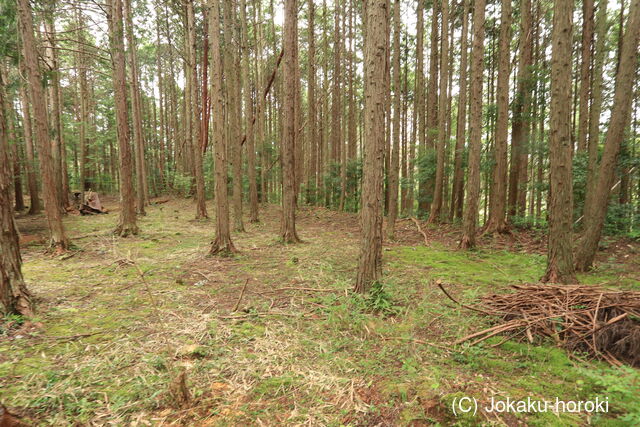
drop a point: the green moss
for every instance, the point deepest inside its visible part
(274, 386)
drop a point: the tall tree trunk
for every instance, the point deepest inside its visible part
(560, 256)
(249, 116)
(30, 164)
(475, 128)
(288, 232)
(426, 186)
(232, 75)
(36, 94)
(222, 245)
(596, 101)
(51, 55)
(14, 295)
(585, 73)
(596, 212)
(136, 110)
(336, 97)
(375, 57)
(457, 192)
(127, 221)
(497, 209)
(15, 151)
(196, 128)
(81, 66)
(312, 115)
(443, 102)
(395, 155)
(418, 110)
(520, 122)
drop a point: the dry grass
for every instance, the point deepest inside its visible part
(148, 330)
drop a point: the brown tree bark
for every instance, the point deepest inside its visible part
(81, 67)
(312, 193)
(475, 128)
(196, 128)
(14, 295)
(596, 101)
(497, 222)
(596, 212)
(336, 99)
(127, 221)
(136, 110)
(520, 122)
(419, 131)
(431, 132)
(457, 192)
(375, 57)
(395, 155)
(288, 232)
(234, 103)
(443, 103)
(249, 116)
(14, 154)
(560, 256)
(30, 164)
(222, 245)
(36, 94)
(585, 73)
(56, 126)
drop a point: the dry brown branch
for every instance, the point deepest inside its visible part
(426, 241)
(584, 318)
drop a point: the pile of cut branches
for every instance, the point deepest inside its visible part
(600, 322)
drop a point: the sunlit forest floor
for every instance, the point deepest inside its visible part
(150, 331)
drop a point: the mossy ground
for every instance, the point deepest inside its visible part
(119, 321)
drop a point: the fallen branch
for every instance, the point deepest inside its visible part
(588, 319)
(426, 241)
(235, 308)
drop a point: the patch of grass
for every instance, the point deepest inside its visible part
(287, 356)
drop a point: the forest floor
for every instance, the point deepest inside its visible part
(144, 331)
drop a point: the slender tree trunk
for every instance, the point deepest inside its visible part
(519, 126)
(288, 232)
(560, 256)
(426, 188)
(30, 165)
(57, 142)
(196, 128)
(14, 152)
(443, 101)
(312, 115)
(418, 111)
(232, 75)
(395, 155)
(127, 221)
(475, 128)
(596, 212)
(336, 104)
(222, 245)
(375, 57)
(497, 209)
(249, 116)
(457, 192)
(14, 295)
(585, 73)
(136, 111)
(596, 101)
(58, 237)
(82, 66)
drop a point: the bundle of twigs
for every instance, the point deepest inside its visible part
(601, 322)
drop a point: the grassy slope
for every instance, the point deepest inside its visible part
(112, 344)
